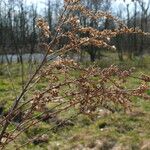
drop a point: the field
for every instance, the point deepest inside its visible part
(116, 131)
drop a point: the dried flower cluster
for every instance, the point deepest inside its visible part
(65, 90)
(44, 26)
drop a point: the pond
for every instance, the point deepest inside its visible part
(36, 57)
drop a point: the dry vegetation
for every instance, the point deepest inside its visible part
(65, 91)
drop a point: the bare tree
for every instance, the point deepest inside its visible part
(144, 21)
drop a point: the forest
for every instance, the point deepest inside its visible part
(19, 34)
(75, 74)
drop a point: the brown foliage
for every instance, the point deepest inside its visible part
(85, 93)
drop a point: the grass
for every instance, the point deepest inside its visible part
(129, 131)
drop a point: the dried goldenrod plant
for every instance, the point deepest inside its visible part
(69, 85)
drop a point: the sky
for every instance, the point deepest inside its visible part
(117, 5)
(37, 1)
(40, 3)
(34, 1)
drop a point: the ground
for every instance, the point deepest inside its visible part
(116, 131)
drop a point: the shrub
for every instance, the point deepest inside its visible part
(84, 93)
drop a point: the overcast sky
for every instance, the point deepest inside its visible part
(40, 3)
(117, 5)
(34, 1)
(37, 1)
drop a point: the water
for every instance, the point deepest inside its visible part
(36, 57)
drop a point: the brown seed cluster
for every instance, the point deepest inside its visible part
(44, 26)
(67, 84)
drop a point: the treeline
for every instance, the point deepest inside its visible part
(19, 35)
(18, 31)
(137, 16)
